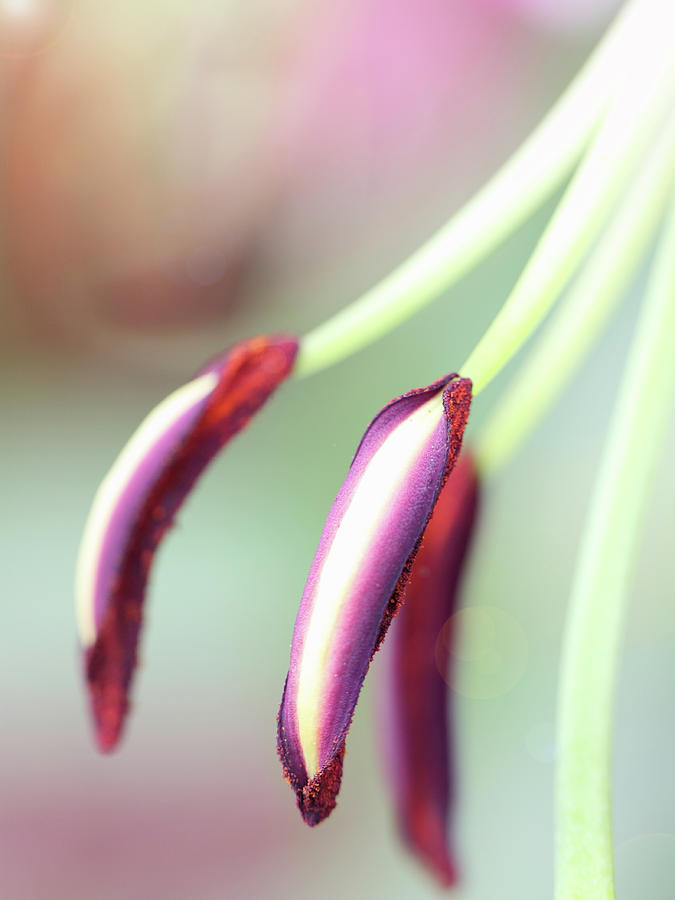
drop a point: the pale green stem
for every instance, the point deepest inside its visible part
(518, 188)
(581, 317)
(644, 96)
(584, 863)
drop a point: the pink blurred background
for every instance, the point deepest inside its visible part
(158, 158)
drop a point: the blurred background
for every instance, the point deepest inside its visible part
(174, 177)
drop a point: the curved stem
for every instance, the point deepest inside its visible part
(645, 94)
(579, 320)
(584, 864)
(518, 188)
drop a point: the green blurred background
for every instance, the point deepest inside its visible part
(175, 178)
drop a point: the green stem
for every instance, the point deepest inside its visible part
(592, 636)
(517, 189)
(641, 102)
(579, 320)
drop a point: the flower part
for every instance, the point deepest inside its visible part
(355, 584)
(415, 736)
(137, 502)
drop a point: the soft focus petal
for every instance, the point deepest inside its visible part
(354, 585)
(138, 500)
(415, 737)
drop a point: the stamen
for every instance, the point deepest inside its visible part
(578, 322)
(644, 97)
(369, 505)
